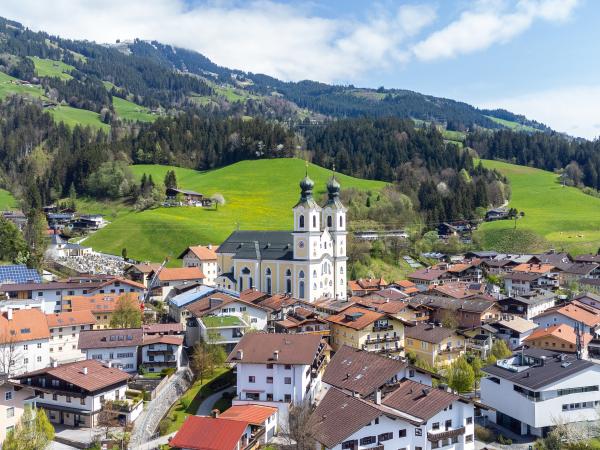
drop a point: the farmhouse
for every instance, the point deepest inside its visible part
(203, 257)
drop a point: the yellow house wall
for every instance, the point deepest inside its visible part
(429, 353)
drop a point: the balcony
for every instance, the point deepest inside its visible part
(378, 328)
(434, 437)
(376, 340)
(451, 350)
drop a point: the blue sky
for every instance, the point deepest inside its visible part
(535, 57)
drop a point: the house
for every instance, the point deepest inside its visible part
(514, 329)
(302, 320)
(458, 289)
(178, 304)
(101, 306)
(18, 273)
(402, 310)
(362, 373)
(424, 278)
(263, 420)
(590, 284)
(367, 330)
(140, 273)
(433, 344)
(279, 306)
(408, 415)
(528, 305)
(221, 318)
(203, 257)
(14, 398)
(525, 278)
(404, 286)
(589, 298)
(533, 390)
(212, 433)
(167, 278)
(188, 197)
(364, 286)
(163, 329)
(496, 214)
(466, 271)
(561, 338)
(64, 334)
(73, 394)
(160, 352)
(588, 258)
(308, 262)
(576, 316)
(24, 341)
(117, 346)
(574, 272)
(277, 369)
(467, 313)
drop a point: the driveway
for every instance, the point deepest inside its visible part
(205, 407)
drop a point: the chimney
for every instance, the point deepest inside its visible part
(109, 364)
(276, 355)
(215, 413)
(209, 246)
(54, 363)
(9, 314)
(378, 397)
(84, 370)
(240, 354)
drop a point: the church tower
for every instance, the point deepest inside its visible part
(333, 216)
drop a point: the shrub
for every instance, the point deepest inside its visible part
(484, 434)
(504, 441)
(167, 371)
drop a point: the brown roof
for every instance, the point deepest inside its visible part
(372, 284)
(97, 303)
(214, 301)
(180, 274)
(25, 325)
(278, 301)
(575, 312)
(163, 328)
(65, 319)
(406, 284)
(419, 400)
(339, 416)
(360, 371)
(533, 268)
(428, 333)
(146, 267)
(98, 375)
(163, 339)
(109, 338)
(380, 304)
(203, 253)
(253, 414)
(252, 295)
(355, 317)
(563, 332)
(427, 274)
(208, 433)
(260, 348)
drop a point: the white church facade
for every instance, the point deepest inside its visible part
(308, 263)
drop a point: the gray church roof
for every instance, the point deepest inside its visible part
(268, 245)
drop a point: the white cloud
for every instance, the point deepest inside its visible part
(573, 110)
(260, 36)
(490, 22)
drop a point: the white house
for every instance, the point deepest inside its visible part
(64, 334)
(221, 318)
(161, 352)
(203, 257)
(73, 394)
(535, 389)
(13, 401)
(24, 341)
(117, 346)
(278, 368)
(528, 305)
(168, 278)
(408, 415)
(574, 315)
(514, 329)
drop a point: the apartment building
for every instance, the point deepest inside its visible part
(434, 344)
(117, 346)
(64, 334)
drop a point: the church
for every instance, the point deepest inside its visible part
(308, 263)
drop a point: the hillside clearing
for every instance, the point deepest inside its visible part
(51, 68)
(132, 111)
(566, 217)
(515, 126)
(259, 194)
(74, 116)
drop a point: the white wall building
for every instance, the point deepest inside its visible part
(13, 401)
(203, 257)
(162, 352)
(64, 334)
(533, 391)
(116, 346)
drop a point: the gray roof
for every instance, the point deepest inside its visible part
(537, 376)
(581, 268)
(266, 245)
(540, 296)
(473, 304)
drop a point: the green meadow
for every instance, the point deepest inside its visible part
(51, 68)
(132, 111)
(75, 116)
(7, 201)
(565, 217)
(259, 195)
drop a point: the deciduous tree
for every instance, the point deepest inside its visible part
(127, 313)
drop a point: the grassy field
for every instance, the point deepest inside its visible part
(51, 68)
(132, 111)
(259, 195)
(564, 216)
(10, 86)
(7, 201)
(74, 116)
(512, 125)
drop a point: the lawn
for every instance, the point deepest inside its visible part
(10, 86)
(221, 321)
(259, 195)
(512, 125)
(566, 217)
(132, 111)
(51, 68)
(188, 404)
(7, 201)
(74, 116)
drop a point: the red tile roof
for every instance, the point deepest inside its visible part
(208, 433)
(533, 268)
(163, 339)
(203, 253)
(362, 317)
(260, 348)
(65, 319)
(253, 414)
(563, 332)
(575, 312)
(25, 325)
(419, 400)
(163, 328)
(180, 274)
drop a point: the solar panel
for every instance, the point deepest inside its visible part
(18, 274)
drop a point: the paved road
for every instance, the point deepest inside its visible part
(155, 443)
(205, 407)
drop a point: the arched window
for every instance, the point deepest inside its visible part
(268, 271)
(301, 222)
(241, 284)
(301, 274)
(314, 221)
(246, 271)
(250, 283)
(288, 273)
(301, 289)
(329, 221)
(315, 273)
(269, 287)
(288, 286)
(341, 221)
(342, 270)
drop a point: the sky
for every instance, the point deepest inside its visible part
(534, 57)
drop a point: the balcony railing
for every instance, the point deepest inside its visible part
(374, 340)
(378, 328)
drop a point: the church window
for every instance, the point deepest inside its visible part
(268, 271)
(288, 286)
(315, 273)
(301, 289)
(241, 284)
(329, 221)
(250, 283)
(269, 287)
(288, 273)
(314, 221)
(246, 271)
(341, 270)
(341, 221)
(301, 221)
(301, 274)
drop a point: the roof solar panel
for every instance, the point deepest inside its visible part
(19, 274)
